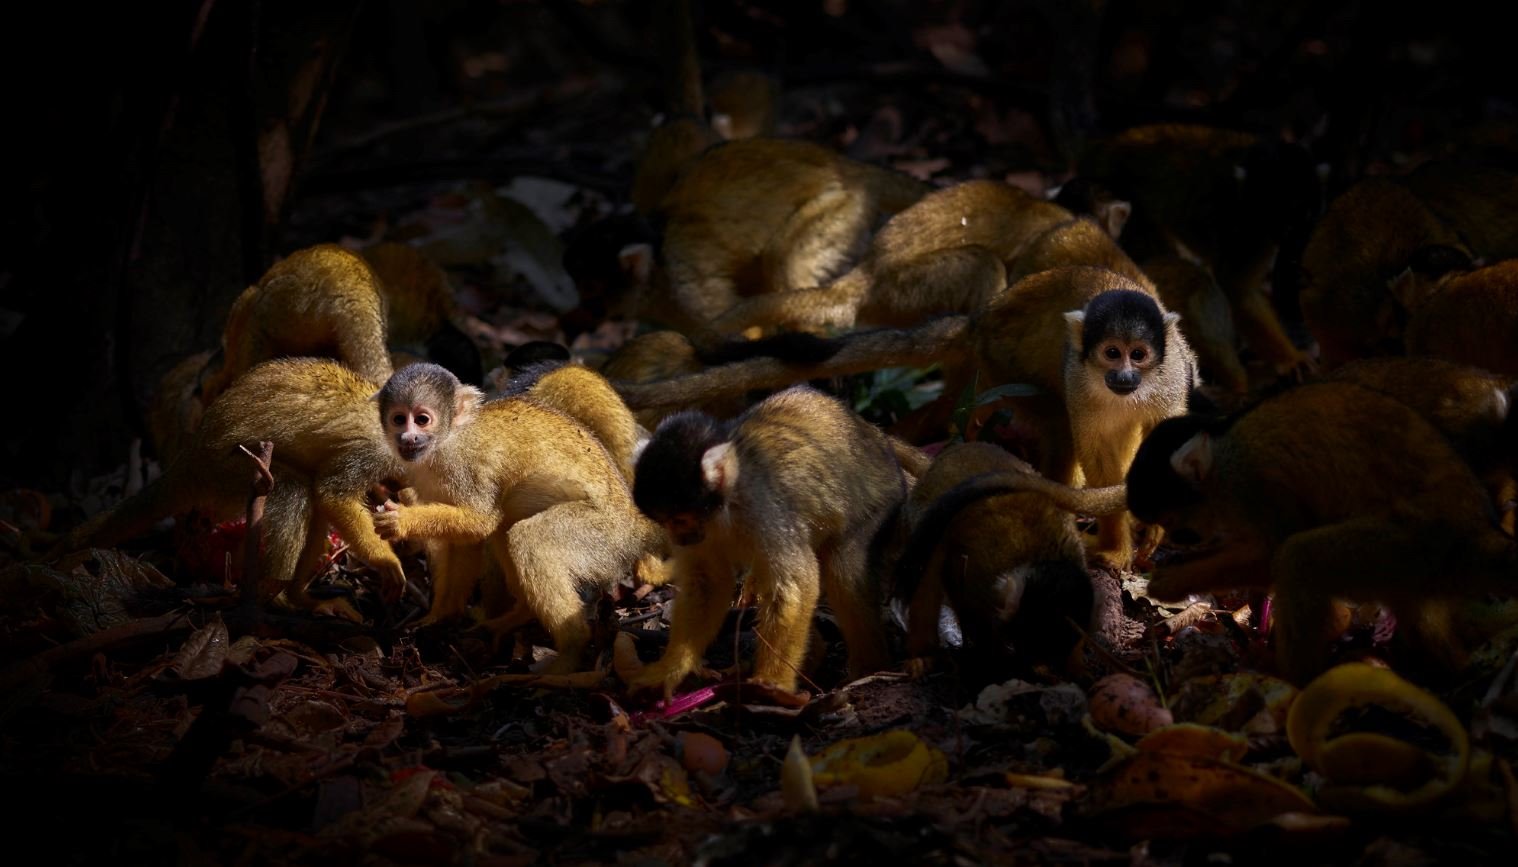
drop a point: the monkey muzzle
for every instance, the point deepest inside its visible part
(1123, 382)
(412, 446)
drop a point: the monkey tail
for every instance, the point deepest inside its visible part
(912, 459)
(131, 517)
(938, 340)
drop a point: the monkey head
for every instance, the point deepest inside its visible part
(1121, 335)
(419, 405)
(1168, 478)
(1038, 602)
(684, 474)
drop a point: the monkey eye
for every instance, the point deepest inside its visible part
(423, 419)
(398, 419)
(1113, 353)
(1138, 354)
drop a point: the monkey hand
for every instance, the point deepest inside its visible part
(390, 521)
(664, 675)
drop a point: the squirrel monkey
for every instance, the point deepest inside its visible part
(1384, 236)
(951, 252)
(1307, 493)
(1224, 200)
(319, 301)
(533, 486)
(1108, 360)
(329, 450)
(797, 491)
(999, 542)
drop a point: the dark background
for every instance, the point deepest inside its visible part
(162, 155)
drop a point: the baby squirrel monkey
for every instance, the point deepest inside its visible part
(320, 301)
(1108, 360)
(998, 541)
(797, 490)
(329, 450)
(537, 489)
(1398, 519)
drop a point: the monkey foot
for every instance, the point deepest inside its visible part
(918, 667)
(336, 607)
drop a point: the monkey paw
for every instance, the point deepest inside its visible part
(336, 607)
(663, 675)
(387, 522)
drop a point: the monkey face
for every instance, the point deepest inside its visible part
(685, 528)
(1124, 363)
(412, 430)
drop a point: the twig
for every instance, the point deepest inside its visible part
(263, 483)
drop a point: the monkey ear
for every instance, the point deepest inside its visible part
(637, 261)
(719, 468)
(1115, 216)
(466, 399)
(1172, 318)
(1193, 460)
(1076, 319)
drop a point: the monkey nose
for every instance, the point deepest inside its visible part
(1124, 388)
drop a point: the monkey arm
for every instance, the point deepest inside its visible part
(1236, 564)
(434, 521)
(706, 592)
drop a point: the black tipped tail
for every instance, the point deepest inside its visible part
(796, 347)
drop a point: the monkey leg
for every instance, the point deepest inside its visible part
(551, 554)
(819, 241)
(923, 614)
(818, 307)
(789, 585)
(956, 280)
(705, 580)
(294, 544)
(1403, 562)
(456, 569)
(348, 515)
(1237, 564)
(1104, 457)
(851, 593)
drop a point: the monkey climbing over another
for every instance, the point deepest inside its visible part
(526, 481)
(329, 450)
(953, 251)
(746, 218)
(799, 491)
(1306, 493)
